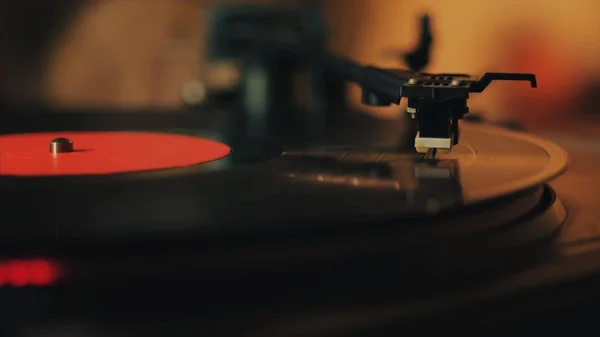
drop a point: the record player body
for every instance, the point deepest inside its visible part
(217, 207)
(388, 225)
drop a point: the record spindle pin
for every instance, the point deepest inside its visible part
(61, 145)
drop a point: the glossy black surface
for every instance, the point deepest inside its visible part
(256, 189)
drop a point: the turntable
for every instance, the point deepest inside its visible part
(204, 223)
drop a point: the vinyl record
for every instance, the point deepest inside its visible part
(246, 186)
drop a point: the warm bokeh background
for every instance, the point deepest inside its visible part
(141, 52)
(558, 40)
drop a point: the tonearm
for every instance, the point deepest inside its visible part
(436, 102)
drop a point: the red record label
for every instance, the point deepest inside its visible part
(94, 153)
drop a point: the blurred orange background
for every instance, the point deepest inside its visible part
(140, 52)
(558, 40)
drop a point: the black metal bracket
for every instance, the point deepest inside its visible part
(487, 78)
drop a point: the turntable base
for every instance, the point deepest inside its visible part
(299, 227)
